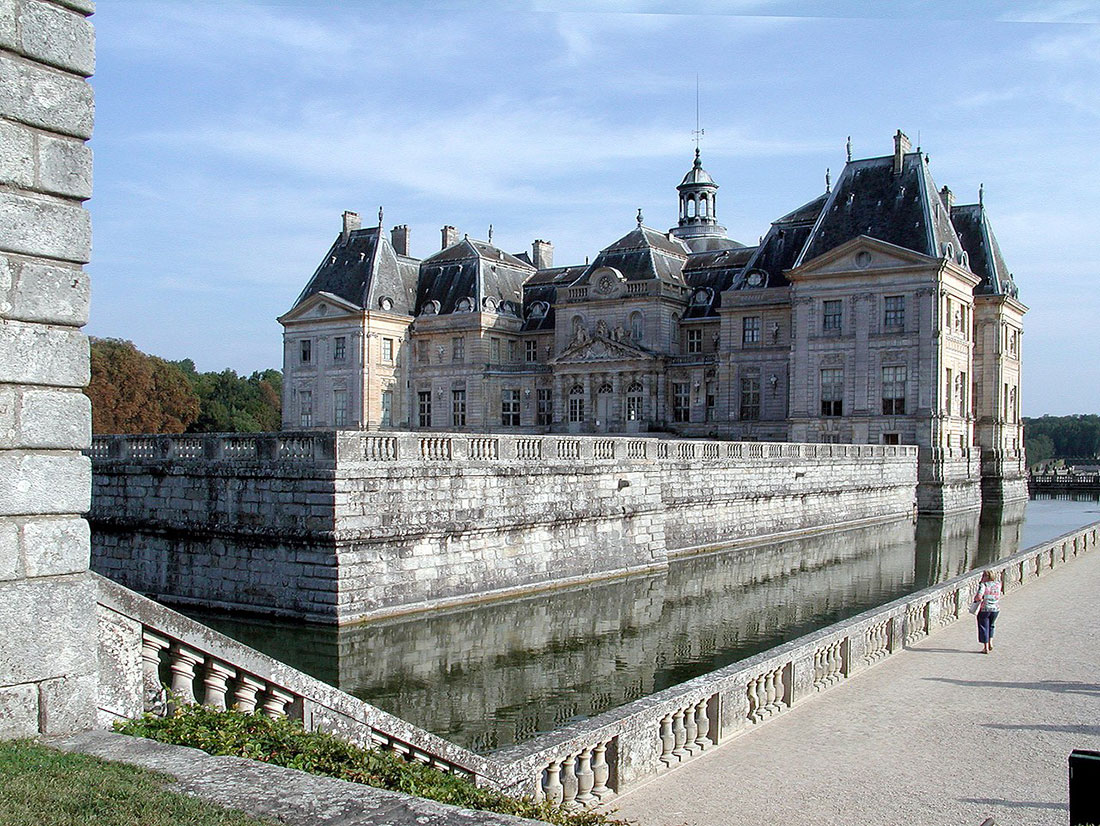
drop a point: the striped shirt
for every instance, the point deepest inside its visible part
(990, 595)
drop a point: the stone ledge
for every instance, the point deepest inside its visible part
(260, 789)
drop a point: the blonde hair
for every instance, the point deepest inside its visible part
(987, 575)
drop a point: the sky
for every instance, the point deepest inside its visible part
(230, 136)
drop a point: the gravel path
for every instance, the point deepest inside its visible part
(938, 734)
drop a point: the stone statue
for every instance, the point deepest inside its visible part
(601, 329)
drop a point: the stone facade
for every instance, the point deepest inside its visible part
(47, 600)
(877, 313)
(343, 525)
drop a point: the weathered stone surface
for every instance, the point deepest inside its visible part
(41, 354)
(18, 711)
(11, 566)
(64, 167)
(120, 674)
(48, 627)
(40, 225)
(55, 419)
(54, 546)
(44, 97)
(16, 155)
(291, 797)
(57, 36)
(44, 483)
(50, 293)
(67, 703)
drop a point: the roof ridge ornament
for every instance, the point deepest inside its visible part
(380, 216)
(981, 195)
(490, 233)
(639, 216)
(848, 147)
(828, 180)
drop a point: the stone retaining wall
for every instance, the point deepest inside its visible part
(337, 527)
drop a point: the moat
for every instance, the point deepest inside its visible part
(493, 674)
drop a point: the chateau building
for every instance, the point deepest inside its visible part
(879, 312)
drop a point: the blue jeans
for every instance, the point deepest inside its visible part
(986, 621)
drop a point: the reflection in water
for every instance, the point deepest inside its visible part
(493, 674)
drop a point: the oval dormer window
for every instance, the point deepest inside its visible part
(385, 303)
(489, 304)
(466, 305)
(702, 296)
(948, 250)
(322, 309)
(430, 308)
(538, 309)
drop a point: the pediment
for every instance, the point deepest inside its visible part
(320, 306)
(862, 254)
(601, 348)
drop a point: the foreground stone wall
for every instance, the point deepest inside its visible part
(47, 603)
(336, 527)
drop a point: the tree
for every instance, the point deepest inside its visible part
(132, 392)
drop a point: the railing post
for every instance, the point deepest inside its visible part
(183, 661)
(216, 683)
(153, 695)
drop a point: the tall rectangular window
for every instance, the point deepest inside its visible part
(544, 411)
(458, 408)
(893, 390)
(494, 350)
(681, 401)
(576, 404)
(530, 350)
(750, 329)
(387, 351)
(424, 407)
(950, 393)
(305, 408)
(750, 398)
(387, 408)
(306, 351)
(694, 340)
(340, 408)
(339, 348)
(509, 408)
(423, 352)
(513, 351)
(832, 391)
(711, 400)
(458, 348)
(831, 316)
(894, 315)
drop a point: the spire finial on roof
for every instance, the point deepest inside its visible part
(639, 216)
(490, 233)
(828, 180)
(698, 133)
(848, 146)
(379, 216)
(981, 194)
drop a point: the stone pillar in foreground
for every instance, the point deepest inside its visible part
(47, 603)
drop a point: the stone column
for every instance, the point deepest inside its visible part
(47, 598)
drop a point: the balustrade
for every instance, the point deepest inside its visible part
(603, 449)
(380, 448)
(239, 447)
(569, 449)
(947, 609)
(710, 450)
(484, 448)
(580, 779)
(876, 641)
(766, 694)
(529, 449)
(916, 622)
(830, 665)
(635, 449)
(436, 447)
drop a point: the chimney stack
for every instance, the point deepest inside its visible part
(351, 223)
(399, 237)
(542, 254)
(901, 147)
(450, 236)
(948, 198)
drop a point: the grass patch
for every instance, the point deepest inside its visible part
(40, 786)
(285, 743)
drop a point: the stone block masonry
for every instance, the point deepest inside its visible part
(47, 600)
(341, 526)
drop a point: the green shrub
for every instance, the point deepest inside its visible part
(285, 743)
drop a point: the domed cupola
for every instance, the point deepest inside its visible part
(698, 226)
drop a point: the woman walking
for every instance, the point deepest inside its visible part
(988, 600)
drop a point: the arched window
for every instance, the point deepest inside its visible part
(703, 207)
(576, 403)
(578, 326)
(636, 326)
(691, 208)
(606, 388)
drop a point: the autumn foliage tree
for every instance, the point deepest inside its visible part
(133, 392)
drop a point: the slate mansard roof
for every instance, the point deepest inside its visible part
(976, 234)
(364, 269)
(643, 254)
(471, 276)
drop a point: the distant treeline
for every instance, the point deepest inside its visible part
(133, 392)
(1061, 437)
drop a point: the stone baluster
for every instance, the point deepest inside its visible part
(182, 663)
(600, 772)
(769, 692)
(246, 692)
(679, 733)
(667, 739)
(752, 692)
(569, 781)
(585, 778)
(691, 730)
(152, 644)
(551, 787)
(702, 725)
(276, 702)
(215, 680)
(779, 690)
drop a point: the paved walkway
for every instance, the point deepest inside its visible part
(938, 734)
